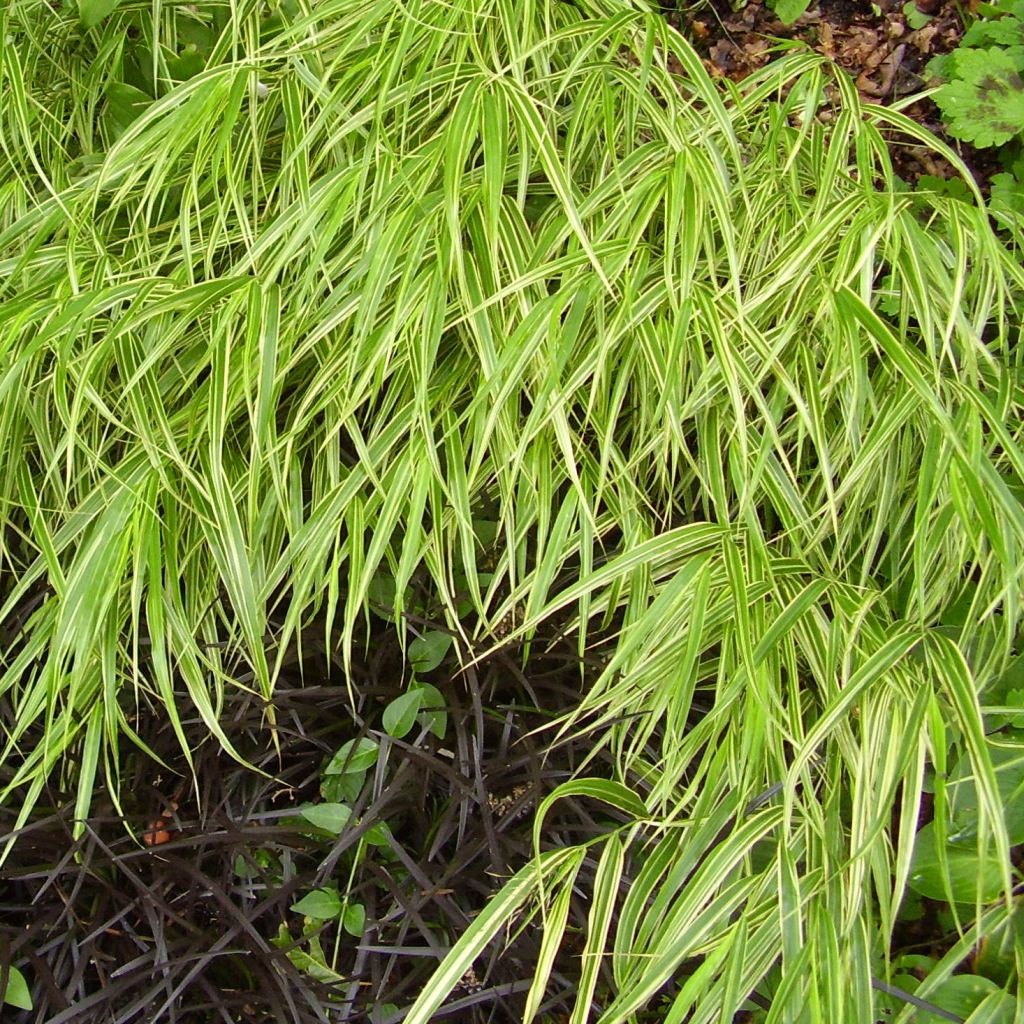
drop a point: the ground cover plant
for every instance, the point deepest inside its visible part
(506, 316)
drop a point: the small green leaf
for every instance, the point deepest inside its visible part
(344, 788)
(321, 904)
(998, 31)
(432, 708)
(916, 18)
(427, 652)
(17, 993)
(354, 756)
(314, 966)
(789, 11)
(353, 920)
(400, 714)
(331, 817)
(92, 12)
(378, 835)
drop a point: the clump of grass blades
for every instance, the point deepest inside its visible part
(376, 268)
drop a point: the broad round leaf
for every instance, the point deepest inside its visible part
(966, 876)
(963, 994)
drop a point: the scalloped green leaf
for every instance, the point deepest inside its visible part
(1006, 31)
(984, 104)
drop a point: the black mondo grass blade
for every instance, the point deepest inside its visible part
(190, 924)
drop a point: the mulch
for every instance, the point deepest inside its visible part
(885, 47)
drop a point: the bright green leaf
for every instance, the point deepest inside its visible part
(354, 756)
(400, 715)
(789, 11)
(321, 904)
(353, 919)
(378, 834)
(17, 993)
(432, 708)
(331, 817)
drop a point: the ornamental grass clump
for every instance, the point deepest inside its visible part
(295, 295)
